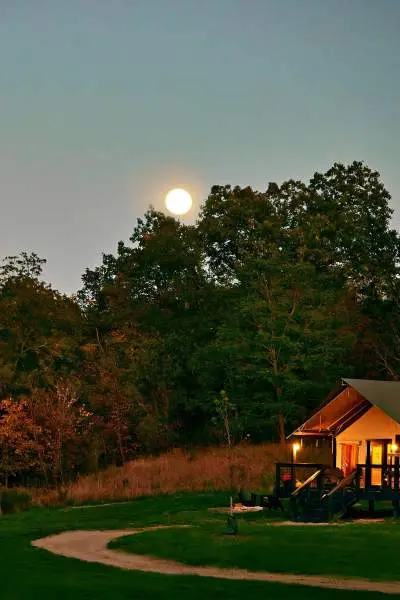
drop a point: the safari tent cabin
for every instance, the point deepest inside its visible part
(362, 422)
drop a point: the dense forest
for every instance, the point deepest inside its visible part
(249, 316)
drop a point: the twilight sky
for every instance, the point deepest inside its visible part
(106, 104)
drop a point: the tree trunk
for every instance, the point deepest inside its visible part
(281, 429)
(278, 396)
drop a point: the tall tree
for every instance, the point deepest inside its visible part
(40, 329)
(19, 449)
(339, 220)
(285, 343)
(385, 333)
(160, 285)
(348, 220)
(60, 428)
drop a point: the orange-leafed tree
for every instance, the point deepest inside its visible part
(61, 424)
(19, 435)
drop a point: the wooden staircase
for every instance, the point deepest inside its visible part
(315, 501)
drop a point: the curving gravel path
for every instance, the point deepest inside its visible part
(91, 546)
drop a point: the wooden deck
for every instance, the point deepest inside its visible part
(318, 492)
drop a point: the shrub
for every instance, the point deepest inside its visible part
(14, 500)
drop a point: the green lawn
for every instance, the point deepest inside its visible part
(347, 550)
(29, 573)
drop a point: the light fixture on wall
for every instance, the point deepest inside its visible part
(296, 447)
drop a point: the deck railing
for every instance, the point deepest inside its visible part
(375, 476)
(290, 476)
(311, 483)
(345, 493)
(368, 477)
(301, 498)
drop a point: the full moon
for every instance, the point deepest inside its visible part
(178, 201)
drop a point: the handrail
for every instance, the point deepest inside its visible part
(341, 483)
(306, 483)
(376, 466)
(300, 465)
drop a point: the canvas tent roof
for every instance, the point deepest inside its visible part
(383, 394)
(349, 402)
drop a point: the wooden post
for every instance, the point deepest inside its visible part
(396, 485)
(277, 479)
(320, 482)
(358, 478)
(396, 473)
(385, 470)
(371, 506)
(368, 466)
(292, 477)
(334, 452)
(330, 507)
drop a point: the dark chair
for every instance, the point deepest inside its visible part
(272, 502)
(245, 498)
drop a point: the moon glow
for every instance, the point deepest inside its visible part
(178, 201)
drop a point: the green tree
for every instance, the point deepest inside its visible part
(385, 334)
(112, 397)
(40, 329)
(340, 220)
(348, 222)
(285, 343)
(159, 284)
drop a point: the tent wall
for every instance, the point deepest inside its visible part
(373, 425)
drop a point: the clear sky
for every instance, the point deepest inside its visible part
(105, 104)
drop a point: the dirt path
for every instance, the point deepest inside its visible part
(91, 546)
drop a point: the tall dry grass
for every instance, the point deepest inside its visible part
(215, 469)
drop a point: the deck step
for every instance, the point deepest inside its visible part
(321, 504)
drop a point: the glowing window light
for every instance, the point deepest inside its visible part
(296, 447)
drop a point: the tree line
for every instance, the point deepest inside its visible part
(251, 314)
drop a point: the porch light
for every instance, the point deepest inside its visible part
(296, 447)
(394, 448)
